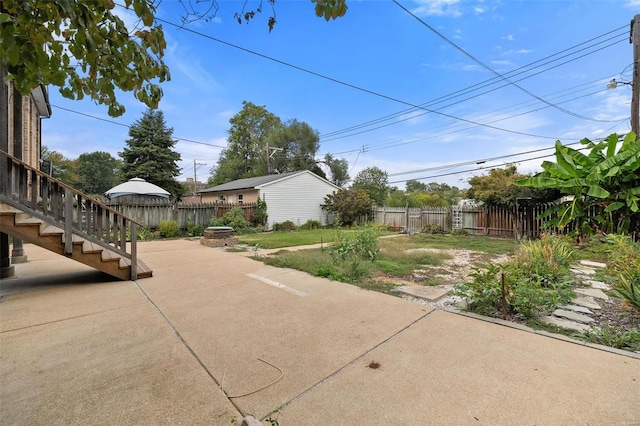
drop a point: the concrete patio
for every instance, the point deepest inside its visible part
(213, 336)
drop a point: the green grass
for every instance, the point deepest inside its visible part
(395, 261)
(303, 237)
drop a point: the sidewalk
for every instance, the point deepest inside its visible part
(215, 335)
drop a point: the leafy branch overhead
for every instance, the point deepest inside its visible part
(84, 48)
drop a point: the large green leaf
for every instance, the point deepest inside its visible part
(565, 162)
(598, 192)
(614, 206)
(612, 143)
(539, 181)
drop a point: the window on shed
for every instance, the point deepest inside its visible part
(221, 197)
(240, 198)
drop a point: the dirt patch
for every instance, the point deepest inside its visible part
(454, 270)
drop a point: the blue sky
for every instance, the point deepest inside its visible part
(495, 78)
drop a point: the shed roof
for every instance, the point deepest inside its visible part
(248, 183)
(137, 186)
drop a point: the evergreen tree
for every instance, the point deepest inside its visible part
(149, 153)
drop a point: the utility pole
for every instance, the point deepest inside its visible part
(270, 152)
(635, 81)
(195, 176)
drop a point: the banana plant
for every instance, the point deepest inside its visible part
(603, 186)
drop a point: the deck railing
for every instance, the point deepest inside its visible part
(44, 197)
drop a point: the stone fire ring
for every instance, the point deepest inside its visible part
(219, 236)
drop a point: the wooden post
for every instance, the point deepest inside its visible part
(134, 251)
(68, 221)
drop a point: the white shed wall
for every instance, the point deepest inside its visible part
(296, 198)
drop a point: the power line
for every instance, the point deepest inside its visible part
(518, 71)
(352, 86)
(488, 68)
(128, 126)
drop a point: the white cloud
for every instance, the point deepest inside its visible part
(510, 37)
(633, 3)
(437, 8)
(479, 10)
(503, 63)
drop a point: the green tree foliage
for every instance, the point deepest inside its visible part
(607, 179)
(499, 188)
(62, 168)
(339, 169)
(292, 146)
(86, 50)
(83, 48)
(246, 153)
(375, 182)
(349, 205)
(414, 186)
(295, 145)
(98, 172)
(149, 153)
(330, 9)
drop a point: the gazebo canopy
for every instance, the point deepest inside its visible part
(137, 186)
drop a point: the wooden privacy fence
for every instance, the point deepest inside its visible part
(151, 213)
(483, 220)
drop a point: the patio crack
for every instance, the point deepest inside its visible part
(189, 349)
(350, 363)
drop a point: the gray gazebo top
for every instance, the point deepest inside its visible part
(137, 186)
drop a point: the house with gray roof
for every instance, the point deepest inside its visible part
(295, 196)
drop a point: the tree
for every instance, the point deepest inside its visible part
(339, 169)
(499, 188)
(294, 146)
(375, 182)
(150, 154)
(86, 50)
(349, 205)
(415, 186)
(98, 172)
(246, 153)
(62, 168)
(606, 179)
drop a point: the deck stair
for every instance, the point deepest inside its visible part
(44, 211)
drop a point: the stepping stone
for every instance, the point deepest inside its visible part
(564, 323)
(598, 284)
(576, 308)
(587, 302)
(421, 292)
(583, 271)
(592, 264)
(593, 292)
(573, 316)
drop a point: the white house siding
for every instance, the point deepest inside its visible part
(296, 198)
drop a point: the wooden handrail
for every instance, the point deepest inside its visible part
(46, 198)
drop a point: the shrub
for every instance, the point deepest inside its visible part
(194, 230)
(462, 232)
(348, 250)
(233, 218)
(287, 225)
(546, 259)
(433, 228)
(536, 281)
(144, 234)
(624, 265)
(168, 229)
(260, 216)
(311, 224)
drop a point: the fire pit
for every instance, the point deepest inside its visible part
(219, 236)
